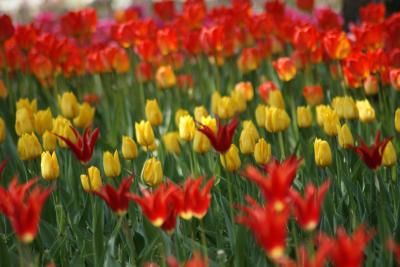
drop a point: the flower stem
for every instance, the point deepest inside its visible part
(203, 238)
(129, 240)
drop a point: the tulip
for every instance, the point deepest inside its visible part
(238, 102)
(144, 134)
(165, 77)
(248, 137)
(345, 107)
(394, 76)
(231, 160)
(345, 138)
(111, 164)
(62, 127)
(321, 110)
(313, 94)
(29, 147)
(215, 99)
(171, 143)
(322, 153)
(201, 143)
(49, 141)
(396, 121)
(49, 166)
(260, 115)
(246, 89)
(129, 148)
(275, 99)
(2, 131)
(152, 173)
(262, 152)
(286, 68)
(330, 122)
(276, 120)
(153, 113)
(225, 108)
(187, 128)
(178, 114)
(371, 86)
(365, 111)
(389, 155)
(24, 122)
(31, 106)
(85, 116)
(92, 180)
(43, 121)
(69, 105)
(336, 45)
(304, 117)
(200, 112)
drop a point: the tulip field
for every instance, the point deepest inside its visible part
(201, 136)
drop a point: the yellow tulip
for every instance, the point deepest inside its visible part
(69, 105)
(129, 148)
(31, 106)
(260, 115)
(248, 137)
(215, 98)
(152, 173)
(275, 99)
(389, 155)
(144, 134)
(322, 153)
(49, 141)
(92, 181)
(321, 110)
(24, 122)
(276, 120)
(345, 107)
(165, 77)
(200, 112)
(29, 147)
(178, 114)
(225, 108)
(396, 120)
(262, 151)
(2, 131)
(246, 89)
(49, 166)
(62, 127)
(238, 101)
(345, 137)
(201, 143)
(231, 160)
(304, 117)
(153, 112)
(171, 142)
(187, 128)
(331, 122)
(366, 112)
(111, 164)
(43, 121)
(85, 116)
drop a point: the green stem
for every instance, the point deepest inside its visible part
(129, 239)
(203, 239)
(281, 145)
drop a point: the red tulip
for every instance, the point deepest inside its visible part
(164, 9)
(83, 147)
(305, 260)
(167, 40)
(117, 200)
(265, 88)
(223, 139)
(285, 68)
(191, 201)
(373, 13)
(23, 208)
(212, 39)
(26, 36)
(79, 24)
(6, 29)
(307, 5)
(328, 19)
(394, 76)
(197, 260)
(306, 38)
(268, 226)
(372, 156)
(308, 209)
(356, 66)
(313, 94)
(275, 187)
(336, 45)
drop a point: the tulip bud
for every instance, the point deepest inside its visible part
(304, 117)
(62, 127)
(49, 166)
(129, 148)
(276, 120)
(153, 113)
(371, 85)
(215, 98)
(43, 121)
(187, 128)
(286, 68)
(365, 111)
(92, 181)
(225, 108)
(29, 147)
(246, 89)
(275, 99)
(144, 134)
(262, 151)
(152, 173)
(24, 122)
(238, 101)
(231, 160)
(389, 155)
(201, 143)
(2, 131)
(345, 137)
(165, 77)
(200, 112)
(396, 121)
(171, 142)
(49, 141)
(31, 106)
(322, 153)
(345, 107)
(69, 105)
(260, 115)
(321, 110)
(313, 94)
(85, 116)
(330, 122)
(248, 137)
(111, 164)
(178, 114)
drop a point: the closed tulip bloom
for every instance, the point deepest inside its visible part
(85, 116)
(144, 134)
(389, 155)
(396, 121)
(31, 106)
(286, 68)
(92, 180)
(43, 121)
(275, 99)
(336, 44)
(49, 166)
(111, 164)
(153, 113)
(371, 85)
(129, 148)
(313, 94)
(24, 122)
(304, 117)
(322, 153)
(231, 160)
(187, 128)
(225, 108)
(345, 137)
(215, 98)
(246, 89)
(29, 147)
(238, 101)
(2, 131)
(331, 122)
(152, 173)
(345, 107)
(171, 142)
(248, 137)
(260, 115)
(49, 141)
(69, 105)
(200, 112)
(366, 112)
(262, 151)
(321, 110)
(165, 77)
(180, 113)
(276, 120)
(62, 127)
